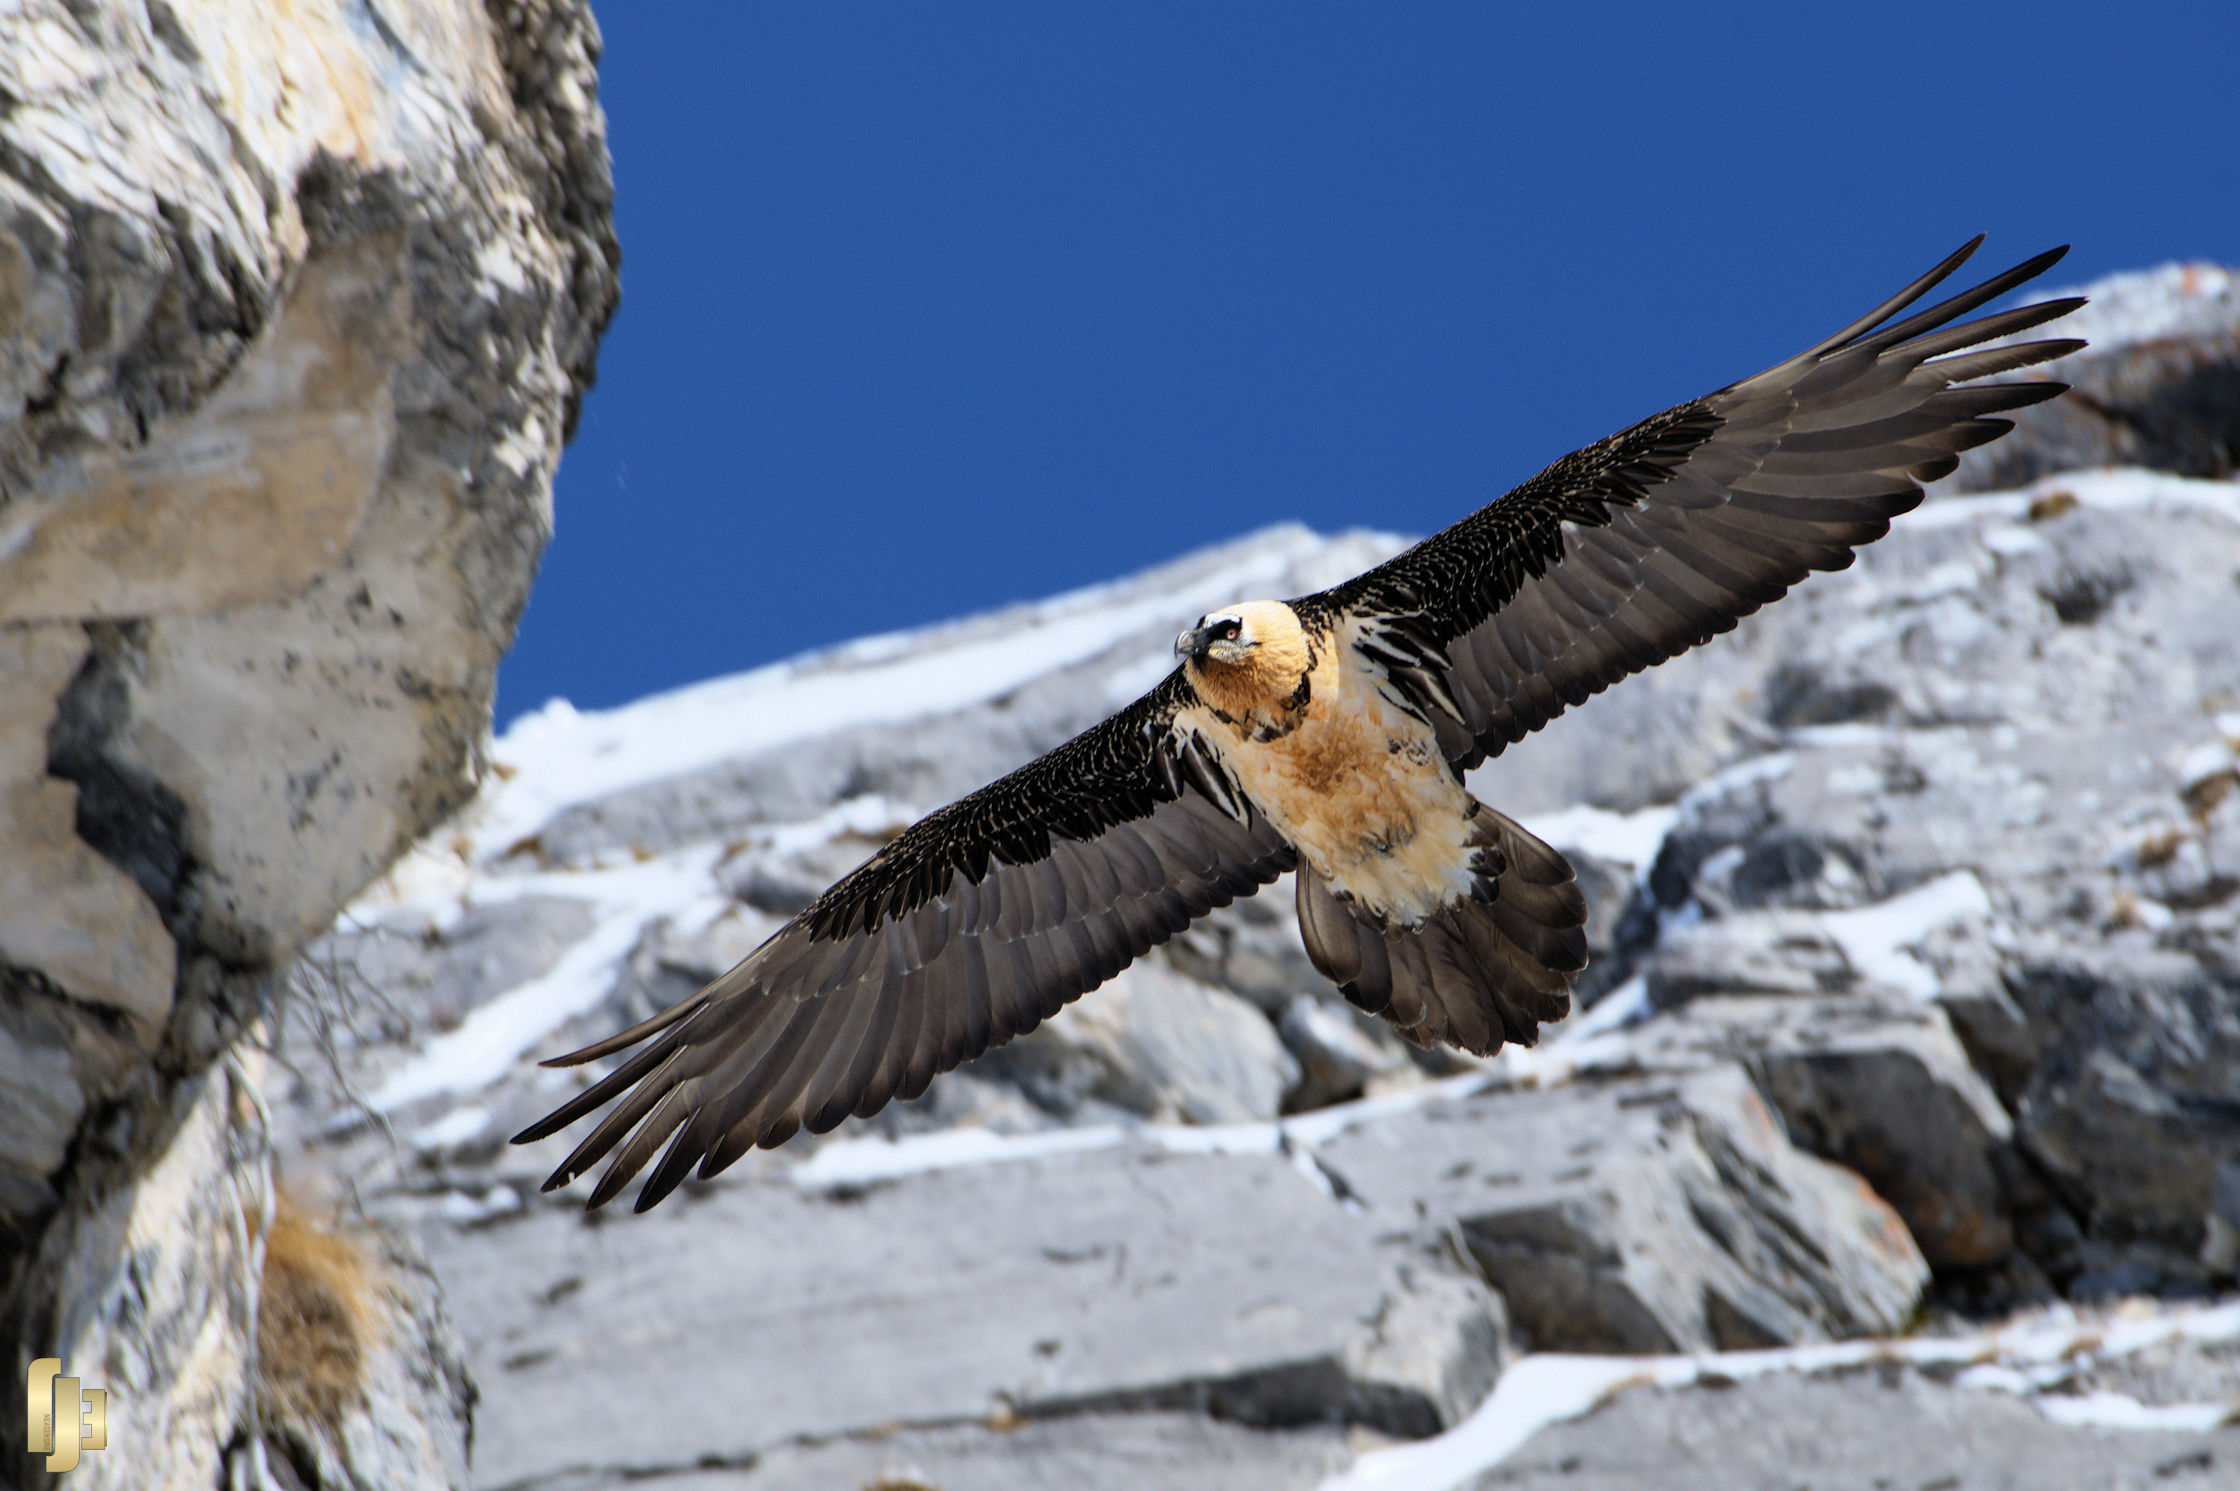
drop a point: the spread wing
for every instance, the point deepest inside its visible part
(1654, 540)
(971, 927)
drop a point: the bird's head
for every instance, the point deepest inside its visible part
(1256, 646)
(1226, 637)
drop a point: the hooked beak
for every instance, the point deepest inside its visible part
(1194, 643)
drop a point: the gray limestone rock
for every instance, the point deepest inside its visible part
(2032, 690)
(1767, 952)
(1883, 1088)
(782, 884)
(1875, 1429)
(278, 418)
(2165, 1373)
(756, 1315)
(1252, 949)
(362, 1382)
(2135, 1102)
(1341, 1052)
(1655, 1214)
(669, 964)
(2051, 685)
(1155, 1044)
(434, 978)
(1621, 923)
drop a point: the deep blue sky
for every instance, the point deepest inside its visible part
(927, 308)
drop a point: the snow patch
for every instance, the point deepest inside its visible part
(859, 1162)
(1875, 938)
(2146, 305)
(1548, 1388)
(1534, 1393)
(1630, 839)
(455, 1127)
(855, 1162)
(2010, 542)
(1128, 684)
(2121, 1411)
(462, 1209)
(499, 269)
(488, 1043)
(1758, 770)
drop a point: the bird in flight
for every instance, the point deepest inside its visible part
(1326, 734)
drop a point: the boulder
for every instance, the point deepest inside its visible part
(1252, 948)
(1652, 1214)
(1767, 952)
(1154, 1044)
(1342, 1054)
(161, 1300)
(2129, 1106)
(2051, 685)
(1882, 1087)
(360, 1377)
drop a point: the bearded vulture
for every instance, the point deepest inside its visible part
(1327, 734)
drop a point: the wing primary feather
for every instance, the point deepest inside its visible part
(1967, 300)
(1992, 361)
(1894, 304)
(622, 1040)
(2022, 318)
(769, 1080)
(640, 1063)
(671, 1110)
(639, 1102)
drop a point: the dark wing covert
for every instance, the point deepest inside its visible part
(1655, 540)
(974, 925)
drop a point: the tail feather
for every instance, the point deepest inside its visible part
(1482, 970)
(1412, 998)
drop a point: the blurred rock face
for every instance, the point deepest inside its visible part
(294, 314)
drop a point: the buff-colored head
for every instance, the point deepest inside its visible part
(1246, 658)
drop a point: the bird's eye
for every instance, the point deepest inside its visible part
(1231, 630)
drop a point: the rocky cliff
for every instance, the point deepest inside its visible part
(1902, 1127)
(296, 306)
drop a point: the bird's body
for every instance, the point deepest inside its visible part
(1355, 783)
(1326, 734)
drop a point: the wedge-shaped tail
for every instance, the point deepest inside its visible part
(1478, 972)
